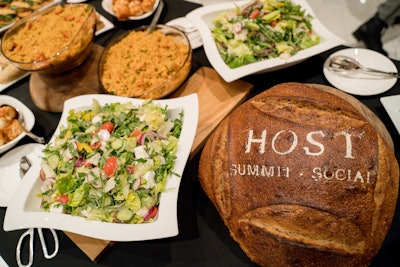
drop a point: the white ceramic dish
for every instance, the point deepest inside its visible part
(25, 111)
(107, 25)
(9, 169)
(193, 35)
(202, 17)
(108, 7)
(392, 106)
(4, 86)
(24, 207)
(360, 83)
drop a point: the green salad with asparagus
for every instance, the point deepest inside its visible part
(111, 163)
(262, 29)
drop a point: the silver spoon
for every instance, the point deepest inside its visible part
(28, 133)
(156, 17)
(349, 66)
(21, 121)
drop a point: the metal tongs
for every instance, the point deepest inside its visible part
(348, 66)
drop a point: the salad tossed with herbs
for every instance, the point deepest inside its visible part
(262, 29)
(110, 163)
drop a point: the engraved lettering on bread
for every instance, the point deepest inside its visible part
(316, 143)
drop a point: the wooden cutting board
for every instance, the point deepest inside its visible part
(217, 99)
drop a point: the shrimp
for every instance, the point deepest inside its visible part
(135, 9)
(121, 9)
(9, 125)
(148, 5)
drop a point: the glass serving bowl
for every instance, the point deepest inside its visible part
(51, 52)
(136, 65)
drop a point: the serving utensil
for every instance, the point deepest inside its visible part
(348, 66)
(156, 17)
(30, 233)
(24, 165)
(21, 121)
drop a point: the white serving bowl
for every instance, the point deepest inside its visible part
(24, 210)
(202, 18)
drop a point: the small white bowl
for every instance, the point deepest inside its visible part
(29, 119)
(108, 7)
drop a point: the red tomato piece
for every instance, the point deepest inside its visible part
(152, 212)
(254, 14)
(108, 125)
(136, 133)
(110, 166)
(63, 199)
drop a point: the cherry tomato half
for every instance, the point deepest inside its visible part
(136, 133)
(110, 166)
(254, 14)
(108, 125)
(63, 199)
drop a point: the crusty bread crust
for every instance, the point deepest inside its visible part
(301, 178)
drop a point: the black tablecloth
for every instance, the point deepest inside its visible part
(203, 239)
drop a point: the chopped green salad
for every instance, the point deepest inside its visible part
(262, 29)
(111, 163)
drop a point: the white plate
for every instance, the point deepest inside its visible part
(4, 86)
(362, 84)
(108, 7)
(24, 208)
(193, 36)
(107, 25)
(202, 17)
(25, 111)
(392, 106)
(9, 169)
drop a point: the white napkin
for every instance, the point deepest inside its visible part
(207, 2)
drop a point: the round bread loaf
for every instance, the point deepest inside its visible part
(301, 178)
